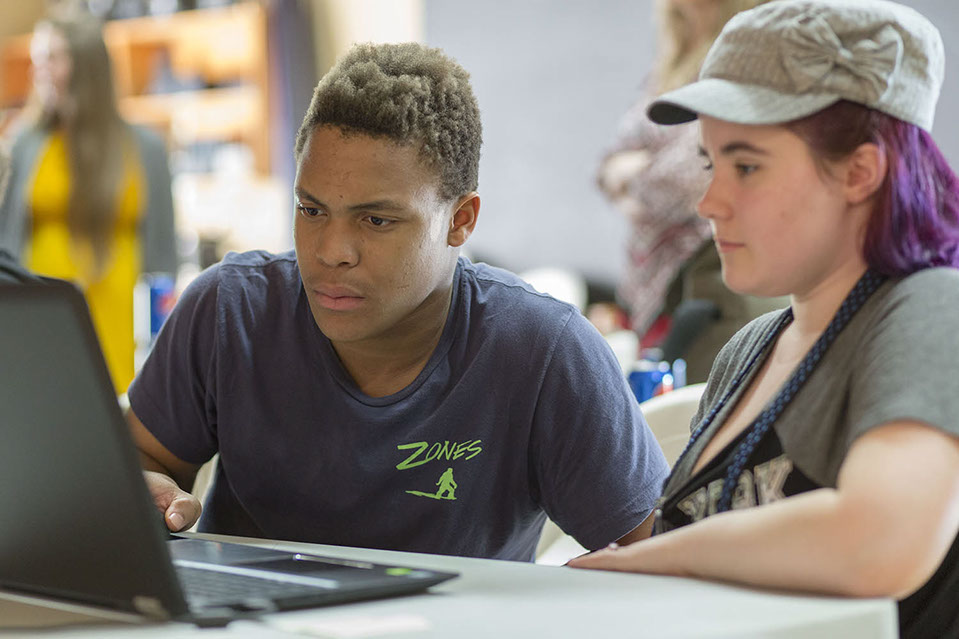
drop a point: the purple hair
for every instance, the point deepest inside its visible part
(915, 223)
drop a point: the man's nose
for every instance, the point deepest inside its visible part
(336, 244)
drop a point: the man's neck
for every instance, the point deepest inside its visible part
(386, 364)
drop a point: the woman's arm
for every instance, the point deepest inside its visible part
(882, 532)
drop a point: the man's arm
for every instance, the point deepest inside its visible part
(166, 476)
(853, 540)
(599, 466)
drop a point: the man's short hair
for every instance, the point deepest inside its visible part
(409, 94)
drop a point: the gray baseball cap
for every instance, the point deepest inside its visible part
(791, 58)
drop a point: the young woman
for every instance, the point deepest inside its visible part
(89, 198)
(649, 176)
(837, 416)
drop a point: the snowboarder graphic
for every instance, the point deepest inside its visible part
(447, 487)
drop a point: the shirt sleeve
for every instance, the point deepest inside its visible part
(174, 393)
(908, 358)
(598, 467)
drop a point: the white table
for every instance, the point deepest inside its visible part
(508, 599)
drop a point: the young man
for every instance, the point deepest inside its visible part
(374, 388)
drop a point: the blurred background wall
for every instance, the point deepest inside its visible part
(552, 79)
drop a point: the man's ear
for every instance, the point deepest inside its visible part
(463, 220)
(865, 172)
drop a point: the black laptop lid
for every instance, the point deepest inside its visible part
(77, 520)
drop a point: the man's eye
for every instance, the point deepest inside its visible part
(378, 222)
(708, 166)
(308, 211)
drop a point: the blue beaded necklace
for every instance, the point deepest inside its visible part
(756, 430)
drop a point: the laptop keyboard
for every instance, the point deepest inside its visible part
(210, 587)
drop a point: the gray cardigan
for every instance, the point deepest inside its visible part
(157, 238)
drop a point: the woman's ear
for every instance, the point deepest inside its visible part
(865, 172)
(463, 220)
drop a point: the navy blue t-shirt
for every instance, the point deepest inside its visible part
(521, 410)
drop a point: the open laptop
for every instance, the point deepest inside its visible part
(77, 520)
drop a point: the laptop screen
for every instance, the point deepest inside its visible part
(77, 519)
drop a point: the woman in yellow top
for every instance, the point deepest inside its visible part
(89, 196)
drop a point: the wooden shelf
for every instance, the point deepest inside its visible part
(15, 71)
(200, 48)
(233, 114)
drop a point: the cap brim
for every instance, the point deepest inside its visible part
(734, 102)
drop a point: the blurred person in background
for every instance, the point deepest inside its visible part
(119, 223)
(672, 287)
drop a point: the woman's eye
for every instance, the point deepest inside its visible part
(308, 211)
(708, 166)
(745, 169)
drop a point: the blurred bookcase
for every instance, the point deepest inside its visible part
(200, 78)
(197, 76)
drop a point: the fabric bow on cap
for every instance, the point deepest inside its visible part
(812, 53)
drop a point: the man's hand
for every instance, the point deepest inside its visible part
(180, 509)
(164, 473)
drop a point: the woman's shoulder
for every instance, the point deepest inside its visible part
(749, 337)
(26, 140)
(736, 353)
(923, 293)
(930, 281)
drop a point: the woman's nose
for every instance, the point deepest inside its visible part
(713, 204)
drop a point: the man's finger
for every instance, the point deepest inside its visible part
(183, 512)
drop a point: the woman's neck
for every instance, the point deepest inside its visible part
(814, 309)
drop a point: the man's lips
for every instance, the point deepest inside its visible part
(337, 298)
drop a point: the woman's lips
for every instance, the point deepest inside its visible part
(725, 246)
